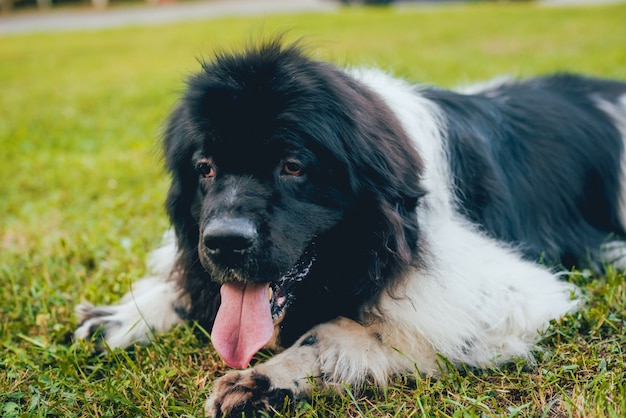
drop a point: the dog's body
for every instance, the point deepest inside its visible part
(368, 226)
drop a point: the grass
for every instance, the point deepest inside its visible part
(82, 190)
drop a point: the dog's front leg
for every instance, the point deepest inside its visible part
(330, 354)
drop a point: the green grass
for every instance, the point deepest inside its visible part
(82, 187)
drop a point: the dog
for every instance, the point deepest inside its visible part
(368, 227)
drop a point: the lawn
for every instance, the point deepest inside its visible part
(82, 189)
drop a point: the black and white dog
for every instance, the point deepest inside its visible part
(368, 226)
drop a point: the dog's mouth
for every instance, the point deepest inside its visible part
(281, 291)
(245, 320)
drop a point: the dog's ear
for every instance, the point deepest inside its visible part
(385, 171)
(178, 147)
(384, 174)
(390, 180)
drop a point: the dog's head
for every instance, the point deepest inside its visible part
(275, 159)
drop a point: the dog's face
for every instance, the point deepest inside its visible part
(264, 185)
(253, 189)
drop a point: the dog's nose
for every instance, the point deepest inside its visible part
(230, 236)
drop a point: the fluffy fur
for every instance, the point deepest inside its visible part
(393, 223)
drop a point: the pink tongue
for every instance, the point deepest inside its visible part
(243, 324)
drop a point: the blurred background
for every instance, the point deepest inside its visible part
(42, 5)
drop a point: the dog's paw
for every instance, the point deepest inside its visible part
(94, 322)
(153, 305)
(116, 325)
(245, 392)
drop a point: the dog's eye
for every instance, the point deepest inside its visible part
(292, 168)
(205, 169)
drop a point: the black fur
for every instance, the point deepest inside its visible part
(537, 164)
